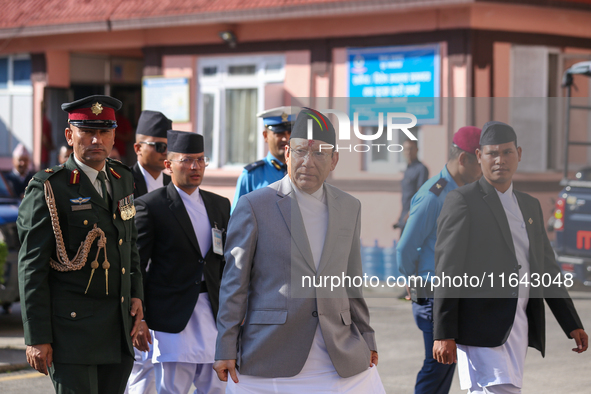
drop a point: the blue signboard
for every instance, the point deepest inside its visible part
(394, 79)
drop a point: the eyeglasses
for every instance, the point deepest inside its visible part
(315, 155)
(159, 146)
(201, 162)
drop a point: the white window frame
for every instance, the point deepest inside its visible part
(217, 85)
(11, 88)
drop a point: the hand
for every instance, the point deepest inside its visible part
(444, 351)
(374, 359)
(222, 367)
(137, 311)
(143, 338)
(40, 357)
(581, 339)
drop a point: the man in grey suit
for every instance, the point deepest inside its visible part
(275, 330)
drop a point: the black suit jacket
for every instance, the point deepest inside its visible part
(474, 238)
(139, 186)
(167, 241)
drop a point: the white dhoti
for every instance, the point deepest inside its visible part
(141, 379)
(318, 376)
(187, 357)
(500, 369)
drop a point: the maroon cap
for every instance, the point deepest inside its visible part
(467, 138)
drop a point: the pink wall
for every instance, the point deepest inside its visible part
(297, 75)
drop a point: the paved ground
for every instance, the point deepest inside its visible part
(400, 348)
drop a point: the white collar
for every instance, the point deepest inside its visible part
(146, 174)
(194, 197)
(318, 194)
(90, 172)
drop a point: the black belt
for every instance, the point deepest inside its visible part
(203, 288)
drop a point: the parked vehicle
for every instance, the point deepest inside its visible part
(572, 214)
(9, 236)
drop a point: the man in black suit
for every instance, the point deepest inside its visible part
(180, 232)
(150, 148)
(490, 231)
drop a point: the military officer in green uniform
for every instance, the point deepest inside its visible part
(79, 276)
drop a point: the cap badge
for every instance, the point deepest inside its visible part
(284, 117)
(96, 108)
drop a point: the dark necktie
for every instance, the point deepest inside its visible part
(103, 178)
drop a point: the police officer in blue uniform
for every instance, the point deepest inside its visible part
(415, 252)
(272, 168)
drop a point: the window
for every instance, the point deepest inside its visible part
(16, 103)
(231, 93)
(15, 72)
(388, 158)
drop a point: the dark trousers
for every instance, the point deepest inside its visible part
(91, 379)
(434, 377)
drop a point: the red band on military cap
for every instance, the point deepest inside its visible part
(87, 114)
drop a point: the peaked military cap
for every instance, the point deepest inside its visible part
(278, 119)
(93, 112)
(153, 123)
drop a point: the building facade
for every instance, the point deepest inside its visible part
(211, 66)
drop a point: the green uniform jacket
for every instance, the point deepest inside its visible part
(92, 328)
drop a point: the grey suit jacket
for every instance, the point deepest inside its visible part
(267, 252)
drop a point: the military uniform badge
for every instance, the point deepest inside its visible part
(114, 173)
(96, 108)
(74, 177)
(126, 207)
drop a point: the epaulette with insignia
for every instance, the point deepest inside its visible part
(43, 175)
(254, 165)
(438, 187)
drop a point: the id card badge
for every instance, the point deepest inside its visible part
(216, 236)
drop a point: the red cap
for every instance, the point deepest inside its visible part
(467, 138)
(105, 113)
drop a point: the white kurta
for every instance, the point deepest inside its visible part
(196, 343)
(318, 374)
(488, 366)
(151, 183)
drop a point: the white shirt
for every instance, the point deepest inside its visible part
(151, 183)
(196, 342)
(199, 219)
(488, 366)
(315, 216)
(92, 174)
